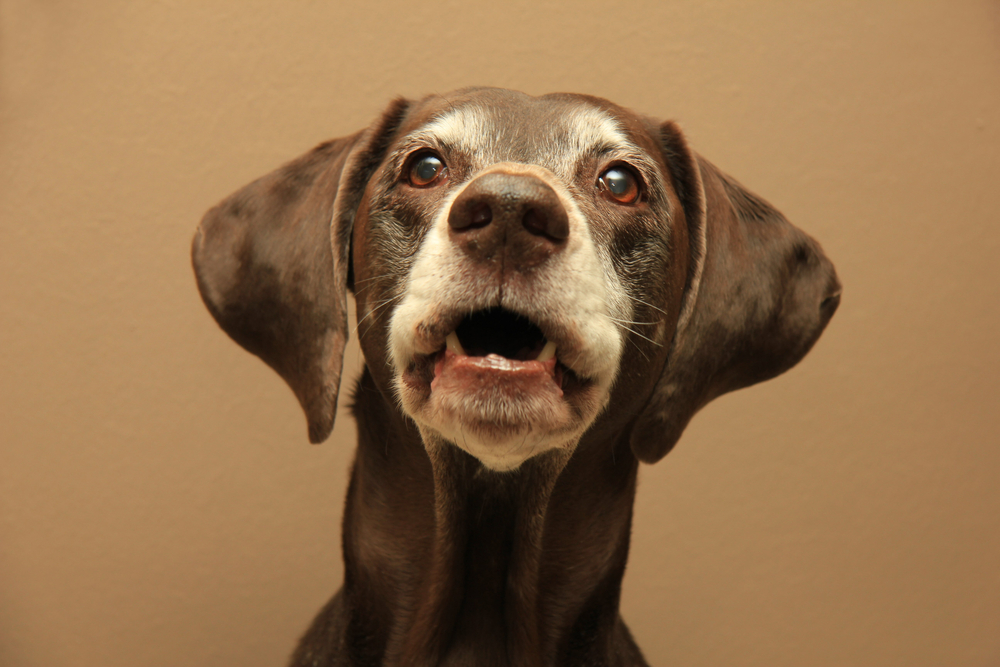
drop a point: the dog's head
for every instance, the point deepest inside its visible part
(522, 267)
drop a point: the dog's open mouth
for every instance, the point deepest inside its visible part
(499, 351)
(500, 332)
(492, 355)
(498, 384)
(496, 387)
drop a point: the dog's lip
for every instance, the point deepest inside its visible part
(431, 348)
(474, 369)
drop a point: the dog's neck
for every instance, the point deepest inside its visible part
(449, 563)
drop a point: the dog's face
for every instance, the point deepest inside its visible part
(502, 251)
(522, 267)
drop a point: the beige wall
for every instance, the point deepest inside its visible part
(159, 503)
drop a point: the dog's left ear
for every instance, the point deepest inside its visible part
(272, 263)
(759, 293)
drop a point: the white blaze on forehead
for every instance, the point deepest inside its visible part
(592, 129)
(464, 128)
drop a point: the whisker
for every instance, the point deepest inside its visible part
(367, 280)
(374, 311)
(644, 355)
(633, 331)
(613, 319)
(638, 300)
(516, 448)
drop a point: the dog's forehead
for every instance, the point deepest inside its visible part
(552, 131)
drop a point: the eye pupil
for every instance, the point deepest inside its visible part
(618, 181)
(620, 184)
(425, 170)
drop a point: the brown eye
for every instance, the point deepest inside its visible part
(620, 184)
(425, 170)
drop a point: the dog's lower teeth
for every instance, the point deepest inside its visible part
(453, 344)
(547, 352)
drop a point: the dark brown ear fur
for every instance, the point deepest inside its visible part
(759, 294)
(272, 264)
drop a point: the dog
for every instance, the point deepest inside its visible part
(547, 290)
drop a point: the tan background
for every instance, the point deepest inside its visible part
(159, 503)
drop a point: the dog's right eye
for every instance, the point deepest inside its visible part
(620, 184)
(425, 170)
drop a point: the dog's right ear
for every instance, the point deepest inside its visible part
(272, 263)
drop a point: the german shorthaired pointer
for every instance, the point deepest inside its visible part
(548, 289)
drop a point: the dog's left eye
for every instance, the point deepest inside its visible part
(425, 170)
(619, 183)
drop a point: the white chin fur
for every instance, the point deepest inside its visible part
(503, 434)
(499, 455)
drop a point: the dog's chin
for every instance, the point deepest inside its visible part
(501, 411)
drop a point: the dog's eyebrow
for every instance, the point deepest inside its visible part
(455, 126)
(593, 133)
(592, 130)
(416, 141)
(445, 131)
(630, 155)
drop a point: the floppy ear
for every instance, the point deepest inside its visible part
(759, 294)
(272, 264)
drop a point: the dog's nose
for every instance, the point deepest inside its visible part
(516, 213)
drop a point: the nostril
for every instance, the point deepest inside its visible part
(480, 215)
(554, 223)
(828, 306)
(470, 215)
(534, 222)
(830, 303)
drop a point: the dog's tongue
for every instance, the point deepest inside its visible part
(459, 372)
